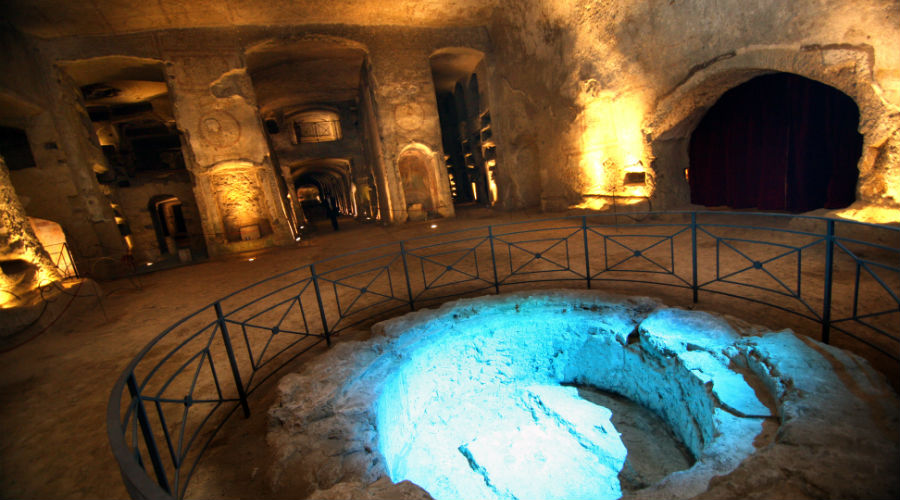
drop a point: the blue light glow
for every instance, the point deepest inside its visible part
(476, 409)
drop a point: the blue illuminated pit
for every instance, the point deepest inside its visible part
(477, 409)
(479, 399)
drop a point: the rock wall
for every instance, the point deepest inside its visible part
(134, 203)
(597, 85)
(580, 93)
(36, 97)
(240, 202)
(24, 265)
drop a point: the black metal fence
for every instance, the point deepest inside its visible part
(842, 277)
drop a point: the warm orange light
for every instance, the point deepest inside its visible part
(612, 145)
(871, 214)
(492, 183)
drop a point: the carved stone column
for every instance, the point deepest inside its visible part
(241, 205)
(410, 131)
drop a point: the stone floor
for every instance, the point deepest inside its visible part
(54, 387)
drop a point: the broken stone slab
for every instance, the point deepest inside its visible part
(588, 423)
(533, 462)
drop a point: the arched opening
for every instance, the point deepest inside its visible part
(316, 125)
(419, 185)
(132, 116)
(324, 191)
(313, 96)
(15, 148)
(777, 142)
(465, 118)
(169, 223)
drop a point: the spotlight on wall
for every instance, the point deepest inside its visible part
(434, 226)
(251, 259)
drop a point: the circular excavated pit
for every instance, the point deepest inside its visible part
(476, 400)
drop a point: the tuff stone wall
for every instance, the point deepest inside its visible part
(134, 204)
(579, 93)
(35, 97)
(24, 265)
(591, 78)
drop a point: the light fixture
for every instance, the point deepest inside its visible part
(251, 259)
(434, 226)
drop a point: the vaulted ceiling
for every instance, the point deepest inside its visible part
(60, 18)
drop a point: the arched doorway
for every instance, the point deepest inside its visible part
(777, 142)
(169, 223)
(466, 130)
(419, 186)
(324, 191)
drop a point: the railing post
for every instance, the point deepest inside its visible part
(694, 287)
(226, 339)
(493, 259)
(829, 264)
(315, 279)
(587, 260)
(412, 306)
(149, 440)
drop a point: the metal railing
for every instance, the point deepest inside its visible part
(841, 277)
(61, 256)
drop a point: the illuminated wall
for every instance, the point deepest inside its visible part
(24, 265)
(612, 149)
(593, 97)
(240, 201)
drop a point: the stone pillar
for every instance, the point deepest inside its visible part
(24, 265)
(90, 220)
(235, 181)
(407, 114)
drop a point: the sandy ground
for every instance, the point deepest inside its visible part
(54, 387)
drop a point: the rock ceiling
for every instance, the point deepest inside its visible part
(60, 18)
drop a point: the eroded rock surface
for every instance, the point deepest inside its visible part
(465, 402)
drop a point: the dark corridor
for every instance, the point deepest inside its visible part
(777, 142)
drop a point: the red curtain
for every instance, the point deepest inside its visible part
(777, 142)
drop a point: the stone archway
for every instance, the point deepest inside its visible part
(777, 142)
(419, 187)
(844, 67)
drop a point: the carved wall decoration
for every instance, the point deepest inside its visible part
(418, 181)
(219, 129)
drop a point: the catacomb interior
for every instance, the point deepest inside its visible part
(173, 133)
(140, 136)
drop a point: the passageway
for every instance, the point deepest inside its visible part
(777, 142)
(466, 133)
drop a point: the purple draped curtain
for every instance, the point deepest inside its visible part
(777, 142)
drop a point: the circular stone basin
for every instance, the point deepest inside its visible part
(478, 399)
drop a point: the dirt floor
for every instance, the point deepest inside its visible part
(54, 385)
